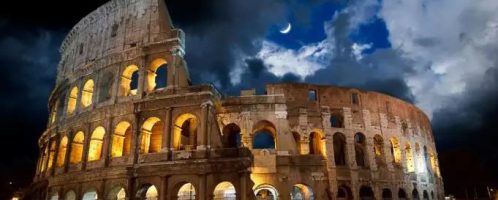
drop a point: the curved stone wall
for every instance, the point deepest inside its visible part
(126, 123)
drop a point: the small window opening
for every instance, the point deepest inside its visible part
(355, 99)
(312, 95)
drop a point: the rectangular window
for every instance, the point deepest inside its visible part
(355, 99)
(312, 95)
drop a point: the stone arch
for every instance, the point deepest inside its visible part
(317, 142)
(151, 136)
(360, 150)
(116, 193)
(129, 81)
(96, 144)
(225, 191)
(148, 192)
(121, 140)
(51, 153)
(297, 141)
(105, 86)
(425, 195)
(266, 192)
(72, 99)
(344, 193)
(70, 195)
(387, 194)
(432, 195)
(339, 149)
(410, 165)
(54, 196)
(87, 93)
(231, 136)
(264, 135)
(380, 157)
(302, 192)
(415, 194)
(61, 154)
(336, 120)
(77, 148)
(186, 191)
(185, 132)
(152, 74)
(366, 193)
(395, 151)
(402, 194)
(90, 194)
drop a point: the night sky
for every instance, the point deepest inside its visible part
(440, 55)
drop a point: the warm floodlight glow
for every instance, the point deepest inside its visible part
(61, 155)
(96, 143)
(185, 132)
(151, 136)
(77, 148)
(410, 166)
(121, 140)
(152, 75)
(127, 80)
(71, 103)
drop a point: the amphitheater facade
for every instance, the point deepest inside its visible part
(126, 123)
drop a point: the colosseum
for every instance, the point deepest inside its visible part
(126, 123)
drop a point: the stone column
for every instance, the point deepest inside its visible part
(203, 194)
(135, 150)
(86, 145)
(203, 136)
(369, 152)
(167, 131)
(106, 151)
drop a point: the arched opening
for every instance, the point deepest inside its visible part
(157, 75)
(148, 192)
(337, 120)
(415, 194)
(96, 143)
(105, 86)
(117, 193)
(87, 93)
(185, 132)
(186, 192)
(70, 195)
(317, 143)
(344, 193)
(302, 192)
(231, 136)
(51, 153)
(264, 134)
(339, 149)
(366, 193)
(360, 147)
(402, 194)
(266, 192)
(379, 150)
(409, 158)
(426, 195)
(121, 140)
(73, 98)
(387, 194)
(90, 195)
(53, 113)
(225, 191)
(151, 136)
(395, 151)
(129, 81)
(297, 142)
(61, 155)
(77, 148)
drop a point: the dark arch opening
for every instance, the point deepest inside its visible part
(387, 194)
(339, 149)
(426, 195)
(415, 194)
(231, 136)
(162, 76)
(359, 139)
(402, 194)
(344, 193)
(263, 140)
(366, 193)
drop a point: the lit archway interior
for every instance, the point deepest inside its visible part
(96, 143)
(87, 93)
(61, 155)
(186, 192)
(317, 143)
(121, 140)
(157, 74)
(185, 132)
(77, 148)
(151, 136)
(129, 81)
(90, 195)
(225, 191)
(266, 192)
(70, 195)
(302, 192)
(71, 102)
(117, 193)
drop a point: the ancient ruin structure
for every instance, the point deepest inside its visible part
(126, 123)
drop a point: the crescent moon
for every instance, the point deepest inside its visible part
(286, 29)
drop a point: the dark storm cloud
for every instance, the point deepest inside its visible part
(28, 60)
